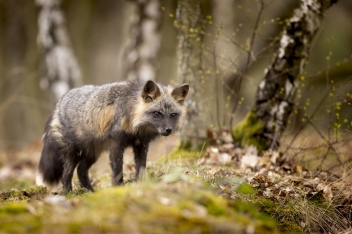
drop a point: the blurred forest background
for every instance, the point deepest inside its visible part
(234, 54)
(101, 36)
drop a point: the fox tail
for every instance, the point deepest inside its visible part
(51, 164)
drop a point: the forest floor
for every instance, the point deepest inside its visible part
(221, 189)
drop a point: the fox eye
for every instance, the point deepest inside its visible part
(173, 115)
(157, 114)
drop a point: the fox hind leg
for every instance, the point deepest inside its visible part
(83, 167)
(69, 167)
(117, 148)
(72, 156)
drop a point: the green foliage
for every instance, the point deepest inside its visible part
(246, 131)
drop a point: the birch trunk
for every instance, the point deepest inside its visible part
(190, 29)
(275, 94)
(145, 37)
(62, 71)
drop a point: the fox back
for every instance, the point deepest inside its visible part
(122, 113)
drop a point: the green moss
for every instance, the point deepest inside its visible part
(77, 192)
(16, 195)
(245, 189)
(13, 208)
(215, 205)
(179, 153)
(245, 207)
(264, 223)
(37, 191)
(289, 227)
(15, 218)
(12, 195)
(287, 216)
(270, 207)
(246, 131)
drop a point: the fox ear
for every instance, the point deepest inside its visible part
(150, 91)
(180, 93)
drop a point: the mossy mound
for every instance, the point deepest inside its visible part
(166, 208)
(246, 131)
(183, 207)
(16, 218)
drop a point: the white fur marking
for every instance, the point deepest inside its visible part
(39, 180)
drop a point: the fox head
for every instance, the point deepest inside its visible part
(160, 109)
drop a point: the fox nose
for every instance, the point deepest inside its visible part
(168, 130)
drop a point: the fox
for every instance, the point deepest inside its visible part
(120, 115)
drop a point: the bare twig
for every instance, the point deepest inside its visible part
(344, 100)
(304, 125)
(254, 32)
(330, 146)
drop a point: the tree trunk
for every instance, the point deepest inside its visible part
(190, 29)
(144, 41)
(62, 71)
(275, 95)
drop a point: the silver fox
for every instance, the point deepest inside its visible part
(123, 114)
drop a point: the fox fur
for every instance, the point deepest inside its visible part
(123, 114)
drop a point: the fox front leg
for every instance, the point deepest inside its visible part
(117, 149)
(140, 150)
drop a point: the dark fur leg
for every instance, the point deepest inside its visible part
(83, 167)
(69, 167)
(117, 149)
(140, 158)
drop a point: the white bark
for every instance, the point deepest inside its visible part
(62, 71)
(144, 41)
(275, 94)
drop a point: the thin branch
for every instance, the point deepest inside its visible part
(311, 117)
(313, 114)
(254, 32)
(345, 101)
(329, 145)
